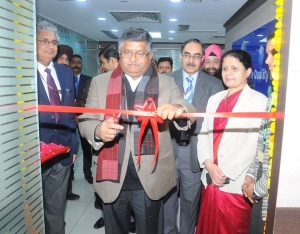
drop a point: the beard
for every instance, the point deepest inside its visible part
(213, 72)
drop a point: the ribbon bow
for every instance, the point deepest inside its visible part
(148, 106)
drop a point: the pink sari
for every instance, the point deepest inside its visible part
(222, 212)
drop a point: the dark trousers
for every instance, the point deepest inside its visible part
(87, 156)
(69, 192)
(188, 190)
(55, 182)
(117, 214)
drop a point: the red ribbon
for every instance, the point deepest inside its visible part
(147, 113)
(69, 109)
(149, 106)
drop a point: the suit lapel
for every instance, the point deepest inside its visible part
(61, 81)
(178, 80)
(81, 85)
(43, 97)
(198, 90)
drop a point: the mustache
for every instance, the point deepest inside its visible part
(75, 67)
(191, 64)
(212, 69)
(134, 64)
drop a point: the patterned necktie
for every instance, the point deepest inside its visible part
(53, 92)
(76, 85)
(189, 90)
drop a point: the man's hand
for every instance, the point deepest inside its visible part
(108, 130)
(169, 111)
(215, 172)
(248, 188)
(74, 158)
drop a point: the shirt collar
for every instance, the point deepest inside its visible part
(195, 75)
(41, 67)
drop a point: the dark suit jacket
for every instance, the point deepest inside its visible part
(83, 88)
(64, 131)
(206, 86)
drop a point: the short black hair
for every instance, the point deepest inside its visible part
(193, 40)
(241, 55)
(77, 56)
(110, 51)
(271, 36)
(165, 59)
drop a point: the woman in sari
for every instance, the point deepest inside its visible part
(226, 148)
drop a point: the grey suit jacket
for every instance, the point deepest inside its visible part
(205, 87)
(157, 180)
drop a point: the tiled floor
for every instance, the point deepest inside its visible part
(81, 214)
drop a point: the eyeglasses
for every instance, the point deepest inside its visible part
(47, 42)
(129, 53)
(195, 56)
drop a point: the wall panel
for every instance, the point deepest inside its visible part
(21, 203)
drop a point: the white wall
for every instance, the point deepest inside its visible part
(258, 18)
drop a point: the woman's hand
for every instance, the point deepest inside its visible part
(215, 172)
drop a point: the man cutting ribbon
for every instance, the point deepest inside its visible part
(120, 181)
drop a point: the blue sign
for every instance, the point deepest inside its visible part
(255, 44)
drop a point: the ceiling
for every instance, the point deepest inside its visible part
(204, 17)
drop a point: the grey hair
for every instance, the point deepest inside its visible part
(137, 35)
(195, 40)
(44, 26)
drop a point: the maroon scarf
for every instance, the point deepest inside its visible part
(111, 156)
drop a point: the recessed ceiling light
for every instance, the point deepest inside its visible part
(175, 0)
(114, 30)
(101, 19)
(171, 38)
(173, 20)
(81, 0)
(155, 34)
(260, 35)
(171, 31)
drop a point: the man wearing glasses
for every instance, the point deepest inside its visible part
(55, 87)
(196, 87)
(121, 180)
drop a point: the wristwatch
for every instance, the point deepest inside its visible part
(97, 138)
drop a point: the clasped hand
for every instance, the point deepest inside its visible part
(216, 174)
(248, 188)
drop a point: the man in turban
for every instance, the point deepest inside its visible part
(212, 61)
(64, 54)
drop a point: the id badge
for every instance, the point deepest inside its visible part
(260, 156)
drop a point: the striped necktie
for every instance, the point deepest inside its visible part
(53, 92)
(189, 90)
